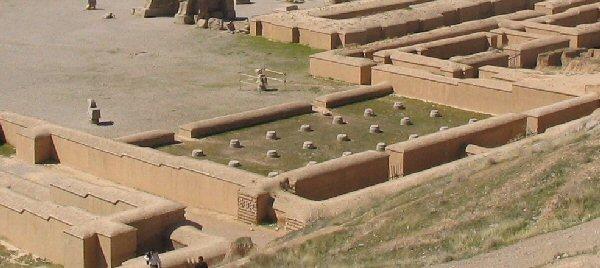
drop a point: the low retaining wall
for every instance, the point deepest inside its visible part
(244, 119)
(446, 146)
(491, 96)
(349, 69)
(211, 185)
(354, 95)
(338, 176)
(11, 124)
(64, 235)
(540, 119)
(153, 138)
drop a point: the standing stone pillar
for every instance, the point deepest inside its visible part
(158, 8)
(188, 10)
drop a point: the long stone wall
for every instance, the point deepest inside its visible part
(215, 186)
(338, 176)
(540, 119)
(243, 119)
(353, 64)
(446, 146)
(489, 96)
(353, 95)
(368, 21)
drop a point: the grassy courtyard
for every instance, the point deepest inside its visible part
(289, 145)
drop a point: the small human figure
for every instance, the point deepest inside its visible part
(91, 5)
(201, 263)
(152, 259)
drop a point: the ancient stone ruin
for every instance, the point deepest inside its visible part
(189, 11)
(484, 58)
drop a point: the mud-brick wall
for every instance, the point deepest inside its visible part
(339, 176)
(443, 147)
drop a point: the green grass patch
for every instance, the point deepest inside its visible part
(289, 50)
(7, 149)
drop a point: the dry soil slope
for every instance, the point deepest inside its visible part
(551, 186)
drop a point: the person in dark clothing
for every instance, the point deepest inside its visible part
(201, 263)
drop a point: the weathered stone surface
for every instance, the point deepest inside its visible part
(405, 121)
(271, 135)
(235, 143)
(399, 106)
(94, 115)
(308, 145)
(197, 153)
(374, 129)
(305, 128)
(338, 120)
(342, 137)
(310, 163)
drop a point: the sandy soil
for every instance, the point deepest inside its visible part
(144, 73)
(261, 7)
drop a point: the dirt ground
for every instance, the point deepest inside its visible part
(261, 7)
(144, 73)
(573, 247)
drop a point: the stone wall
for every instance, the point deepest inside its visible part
(244, 119)
(353, 64)
(368, 21)
(64, 234)
(446, 146)
(215, 186)
(153, 138)
(338, 176)
(353, 95)
(491, 96)
(540, 119)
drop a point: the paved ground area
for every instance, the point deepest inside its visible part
(261, 7)
(144, 73)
